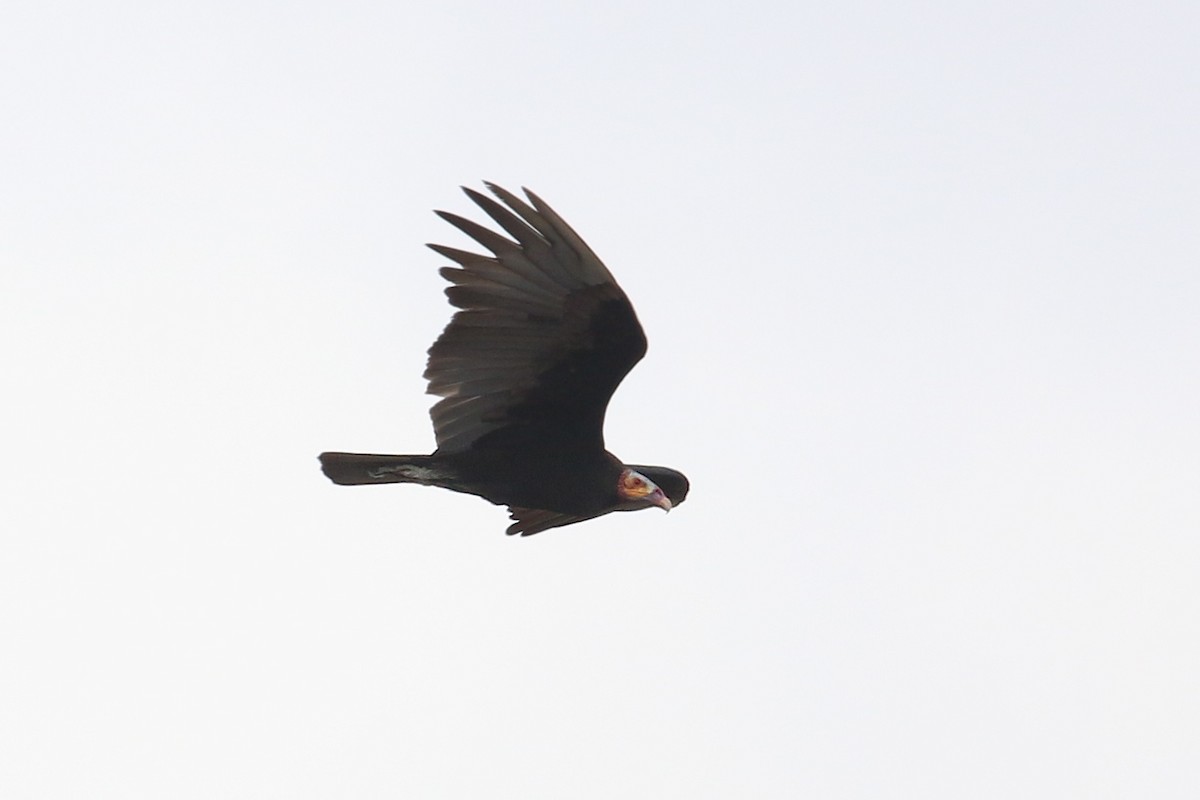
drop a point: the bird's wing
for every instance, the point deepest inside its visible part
(542, 340)
(535, 520)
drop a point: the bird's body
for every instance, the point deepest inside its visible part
(526, 369)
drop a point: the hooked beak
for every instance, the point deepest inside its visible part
(659, 499)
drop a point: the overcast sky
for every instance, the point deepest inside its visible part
(922, 288)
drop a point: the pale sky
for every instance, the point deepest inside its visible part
(922, 288)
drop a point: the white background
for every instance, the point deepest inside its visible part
(922, 288)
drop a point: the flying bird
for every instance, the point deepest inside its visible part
(525, 370)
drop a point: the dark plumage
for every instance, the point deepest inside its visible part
(525, 370)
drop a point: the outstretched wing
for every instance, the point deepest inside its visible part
(542, 340)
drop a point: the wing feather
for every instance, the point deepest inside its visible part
(520, 267)
(541, 340)
(535, 520)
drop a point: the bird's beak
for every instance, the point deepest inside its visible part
(659, 499)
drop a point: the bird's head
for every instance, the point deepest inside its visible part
(638, 491)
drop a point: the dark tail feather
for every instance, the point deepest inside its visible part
(354, 469)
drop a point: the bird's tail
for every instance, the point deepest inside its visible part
(354, 469)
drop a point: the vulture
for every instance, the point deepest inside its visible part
(525, 369)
